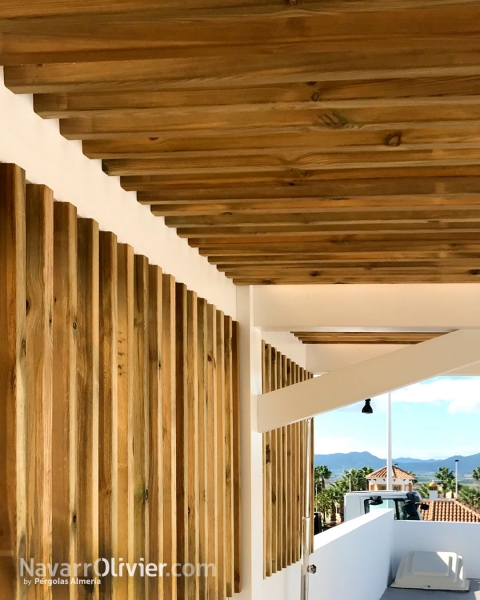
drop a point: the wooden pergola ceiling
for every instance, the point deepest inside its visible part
(298, 141)
(369, 337)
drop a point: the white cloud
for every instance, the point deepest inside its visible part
(461, 394)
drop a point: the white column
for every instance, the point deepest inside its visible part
(251, 449)
(389, 443)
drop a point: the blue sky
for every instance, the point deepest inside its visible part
(433, 419)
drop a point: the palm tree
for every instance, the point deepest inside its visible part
(424, 490)
(323, 504)
(321, 474)
(470, 495)
(338, 491)
(356, 479)
(447, 479)
(476, 474)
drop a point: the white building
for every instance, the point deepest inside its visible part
(402, 481)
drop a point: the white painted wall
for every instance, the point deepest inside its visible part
(322, 358)
(431, 536)
(408, 306)
(352, 560)
(286, 343)
(36, 145)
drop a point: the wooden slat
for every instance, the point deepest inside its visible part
(280, 479)
(39, 370)
(64, 402)
(126, 316)
(169, 411)
(155, 429)
(236, 457)
(212, 450)
(191, 445)
(267, 467)
(13, 508)
(365, 337)
(181, 433)
(108, 408)
(287, 506)
(203, 466)
(221, 463)
(229, 458)
(290, 475)
(88, 398)
(156, 74)
(139, 423)
(274, 460)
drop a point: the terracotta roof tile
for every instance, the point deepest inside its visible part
(450, 510)
(397, 474)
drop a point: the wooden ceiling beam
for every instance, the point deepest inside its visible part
(12, 9)
(248, 68)
(238, 184)
(346, 247)
(368, 337)
(376, 93)
(466, 133)
(332, 217)
(307, 206)
(364, 278)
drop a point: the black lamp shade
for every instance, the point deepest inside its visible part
(367, 409)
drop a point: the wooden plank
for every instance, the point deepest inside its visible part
(236, 457)
(157, 74)
(365, 337)
(13, 510)
(155, 429)
(139, 426)
(39, 376)
(64, 400)
(203, 466)
(286, 475)
(217, 8)
(221, 462)
(169, 411)
(408, 134)
(213, 120)
(191, 446)
(280, 478)
(274, 459)
(441, 278)
(290, 476)
(267, 467)
(229, 458)
(108, 408)
(212, 451)
(181, 433)
(126, 317)
(88, 399)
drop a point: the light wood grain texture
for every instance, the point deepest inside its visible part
(169, 431)
(221, 462)
(364, 338)
(64, 401)
(267, 467)
(108, 408)
(236, 457)
(212, 450)
(88, 398)
(182, 433)
(155, 429)
(229, 458)
(126, 310)
(139, 421)
(39, 381)
(191, 445)
(203, 491)
(13, 459)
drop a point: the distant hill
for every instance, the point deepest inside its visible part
(356, 460)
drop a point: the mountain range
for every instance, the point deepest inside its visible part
(356, 460)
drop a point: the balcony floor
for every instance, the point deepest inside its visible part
(398, 594)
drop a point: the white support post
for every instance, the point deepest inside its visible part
(389, 443)
(251, 449)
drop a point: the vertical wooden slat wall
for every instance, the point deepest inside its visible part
(283, 470)
(119, 433)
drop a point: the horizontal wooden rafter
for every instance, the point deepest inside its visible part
(385, 337)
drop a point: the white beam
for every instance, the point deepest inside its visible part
(369, 378)
(407, 307)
